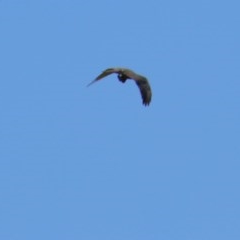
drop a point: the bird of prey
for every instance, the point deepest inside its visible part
(123, 75)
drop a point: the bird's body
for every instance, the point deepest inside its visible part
(123, 75)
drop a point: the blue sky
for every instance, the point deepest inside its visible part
(94, 163)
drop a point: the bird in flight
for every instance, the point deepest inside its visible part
(123, 75)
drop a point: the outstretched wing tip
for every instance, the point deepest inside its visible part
(91, 83)
(145, 90)
(146, 104)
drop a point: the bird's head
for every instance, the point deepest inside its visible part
(122, 78)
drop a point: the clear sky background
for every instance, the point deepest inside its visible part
(94, 163)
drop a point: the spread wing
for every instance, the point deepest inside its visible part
(105, 73)
(145, 89)
(142, 84)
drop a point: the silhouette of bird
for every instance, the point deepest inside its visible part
(125, 74)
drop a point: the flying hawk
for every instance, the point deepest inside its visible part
(123, 75)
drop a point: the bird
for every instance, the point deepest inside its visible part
(125, 74)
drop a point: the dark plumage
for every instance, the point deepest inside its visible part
(123, 75)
